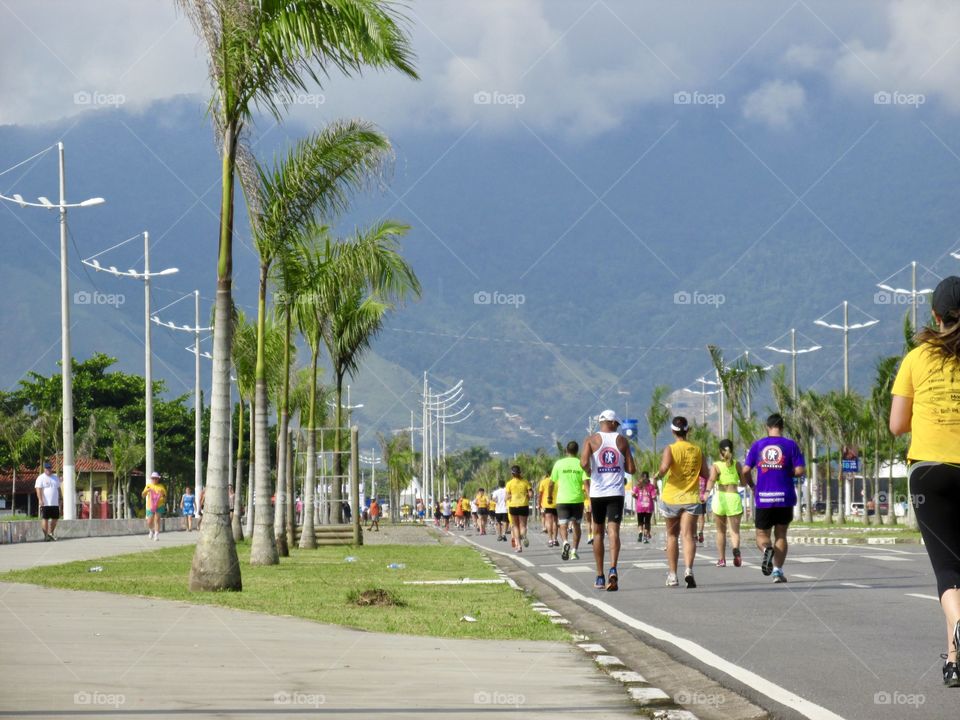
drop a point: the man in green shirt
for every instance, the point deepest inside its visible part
(569, 478)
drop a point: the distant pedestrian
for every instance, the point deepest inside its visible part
(346, 511)
(155, 495)
(299, 510)
(482, 503)
(778, 461)
(48, 495)
(546, 501)
(518, 493)
(571, 481)
(446, 511)
(500, 514)
(374, 514)
(925, 404)
(188, 507)
(644, 499)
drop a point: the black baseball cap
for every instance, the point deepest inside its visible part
(946, 298)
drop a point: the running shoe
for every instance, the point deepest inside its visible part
(590, 541)
(599, 583)
(778, 576)
(640, 538)
(721, 563)
(565, 553)
(951, 675)
(737, 561)
(672, 580)
(53, 537)
(700, 538)
(47, 538)
(526, 542)
(612, 580)
(688, 579)
(646, 540)
(573, 555)
(766, 564)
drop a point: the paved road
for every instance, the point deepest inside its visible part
(855, 633)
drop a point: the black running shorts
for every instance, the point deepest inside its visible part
(519, 511)
(570, 511)
(766, 518)
(606, 509)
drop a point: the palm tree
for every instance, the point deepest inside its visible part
(312, 181)
(260, 51)
(739, 380)
(244, 353)
(658, 414)
(399, 457)
(125, 452)
(18, 437)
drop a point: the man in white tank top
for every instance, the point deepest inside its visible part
(606, 457)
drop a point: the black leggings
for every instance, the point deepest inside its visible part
(643, 521)
(935, 494)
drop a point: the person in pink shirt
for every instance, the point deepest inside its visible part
(645, 498)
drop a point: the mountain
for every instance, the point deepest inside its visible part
(557, 270)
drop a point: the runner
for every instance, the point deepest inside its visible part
(475, 515)
(702, 519)
(778, 461)
(606, 456)
(547, 503)
(499, 497)
(187, 508)
(458, 512)
(587, 515)
(569, 479)
(518, 493)
(727, 505)
(156, 498)
(682, 464)
(644, 496)
(446, 511)
(925, 405)
(483, 509)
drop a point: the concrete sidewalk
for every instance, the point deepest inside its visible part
(70, 654)
(20, 556)
(84, 654)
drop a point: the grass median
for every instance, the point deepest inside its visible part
(322, 585)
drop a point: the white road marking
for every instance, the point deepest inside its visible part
(887, 558)
(650, 565)
(802, 577)
(802, 559)
(923, 597)
(521, 560)
(857, 585)
(762, 685)
(461, 581)
(569, 569)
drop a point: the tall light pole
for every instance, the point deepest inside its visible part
(145, 276)
(437, 406)
(793, 352)
(912, 292)
(349, 408)
(846, 327)
(66, 359)
(197, 403)
(703, 393)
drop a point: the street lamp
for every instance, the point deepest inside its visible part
(912, 292)
(373, 460)
(703, 393)
(145, 276)
(626, 403)
(66, 360)
(793, 352)
(846, 328)
(197, 409)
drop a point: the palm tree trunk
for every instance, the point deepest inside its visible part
(283, 492)
(288, 479)
(891, 513)
(811, 489)
(877, 520)
(336, 494)
(828, 491)
(251, 459)
(308, 540)
(215, 565)
(263, 549)
(236, 524)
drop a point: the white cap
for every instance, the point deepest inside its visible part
(155, 475)
(609, 416)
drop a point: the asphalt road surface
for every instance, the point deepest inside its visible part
(856, 633)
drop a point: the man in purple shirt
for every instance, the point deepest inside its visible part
(778, 461)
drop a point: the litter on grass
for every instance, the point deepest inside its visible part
(350, 558)
(96, 568)
(467, 618)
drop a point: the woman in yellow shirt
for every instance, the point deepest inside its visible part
(518, 506)
(926, 403)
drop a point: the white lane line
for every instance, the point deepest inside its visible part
(857, 585)
(887, 558)
(923, 597)
(747, 677)
(521, 560)
(650, 565)
(802, 577)
(807, 559)
(569, 569)
(461, 581)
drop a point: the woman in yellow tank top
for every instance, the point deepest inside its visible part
(682, 464)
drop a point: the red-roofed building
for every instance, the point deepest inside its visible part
(94, 477)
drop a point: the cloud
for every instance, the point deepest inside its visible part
(775, 103)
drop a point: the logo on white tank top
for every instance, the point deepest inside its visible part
(609, 460)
